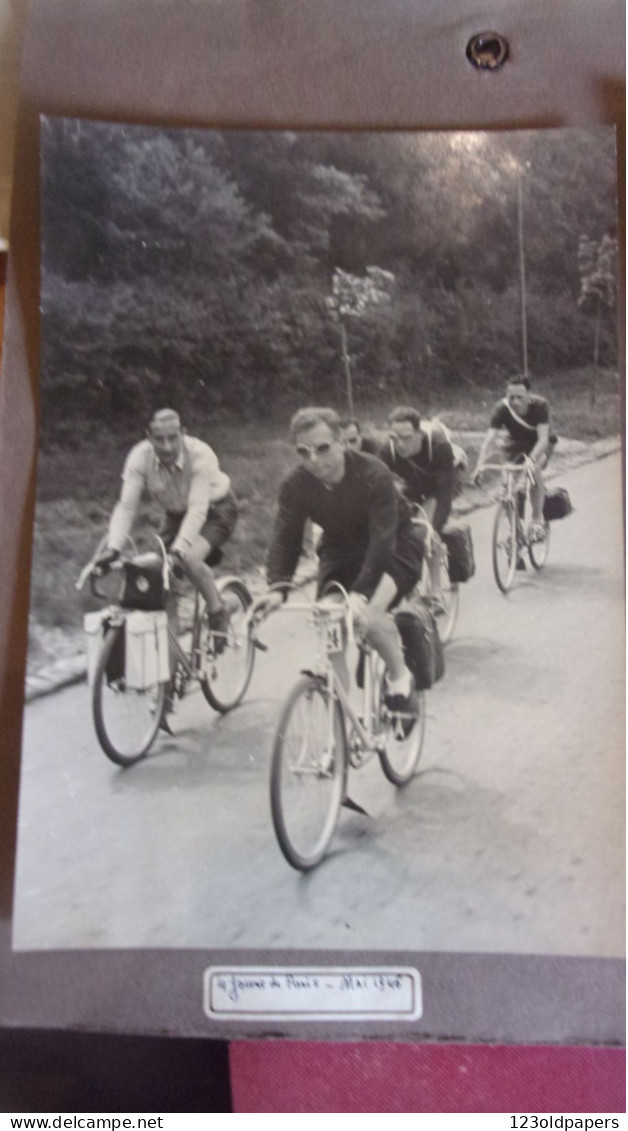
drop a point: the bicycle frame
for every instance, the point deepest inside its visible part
(322, 618)
(512, 475)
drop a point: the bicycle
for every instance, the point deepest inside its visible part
(435, 586)
(127, 719)
(320, 736)
(511, 527)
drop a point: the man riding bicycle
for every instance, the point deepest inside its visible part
(368, 544)
(424, 462)
(523, 417)
(183, 475)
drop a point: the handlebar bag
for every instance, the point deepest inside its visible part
(422, 648)
(143, 587)
(461, 559)
(557, 504)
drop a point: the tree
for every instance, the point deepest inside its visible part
(354, 297)
(598, 286)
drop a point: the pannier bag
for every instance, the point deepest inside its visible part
(143, 587)
(146, 649)
(557, 504)
(94, 625)
(459, 543)
(422, 648)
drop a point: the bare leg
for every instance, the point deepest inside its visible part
(382, 632)
(201, 576)
(537, 490)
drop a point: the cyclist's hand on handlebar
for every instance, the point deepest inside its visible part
(174, 564)
(105, 560)
(269, 603)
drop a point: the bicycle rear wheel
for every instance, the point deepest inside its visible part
(308, 773)
(226, 663)
(505, 545)
(539, 551)
(126, 720)
(399, 757)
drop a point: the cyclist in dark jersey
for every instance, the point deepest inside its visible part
(355, 439)
(423, 461)
(369, 544)
(522, 419)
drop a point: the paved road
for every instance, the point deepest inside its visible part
(509, 839)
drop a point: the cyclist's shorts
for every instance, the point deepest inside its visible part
(404, 566)
(217, 528)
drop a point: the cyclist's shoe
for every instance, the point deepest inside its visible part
(537, 532)
(218, 626)
(436, 605)
(404, 710)
(521, 565)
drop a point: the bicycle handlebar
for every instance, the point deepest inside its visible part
(321, 608)
(526, 465)
(93, 571)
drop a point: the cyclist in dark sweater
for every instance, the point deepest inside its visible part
(368, 544)
(522, 418)
(423, 461)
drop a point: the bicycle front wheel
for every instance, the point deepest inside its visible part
(308, 773)
(505, 545)
(539, 551)
(126, 720)
(226, 662)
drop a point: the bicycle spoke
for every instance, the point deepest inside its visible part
(308, 770)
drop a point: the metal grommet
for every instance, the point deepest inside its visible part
(487, 50)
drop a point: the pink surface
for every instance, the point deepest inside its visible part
(390, 1077)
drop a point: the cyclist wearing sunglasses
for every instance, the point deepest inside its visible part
(368, 543)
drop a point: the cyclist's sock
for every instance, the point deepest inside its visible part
(401, 686)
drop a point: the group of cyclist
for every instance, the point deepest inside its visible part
(359, 490)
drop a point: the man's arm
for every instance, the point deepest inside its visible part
(488, 441)
(440, 492)
(207, 483)
(287, 539)
(542, 441)
(382, 531)
(126, 508)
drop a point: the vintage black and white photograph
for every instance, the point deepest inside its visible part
(326, 630)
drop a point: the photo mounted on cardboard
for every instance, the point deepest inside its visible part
(234, 278)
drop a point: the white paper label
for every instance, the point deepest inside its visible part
(333, 993)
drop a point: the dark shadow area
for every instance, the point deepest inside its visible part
(92, 1072)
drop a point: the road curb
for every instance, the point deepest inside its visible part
(47, 681)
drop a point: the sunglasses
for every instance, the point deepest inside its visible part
(306, 452)
(401, 439)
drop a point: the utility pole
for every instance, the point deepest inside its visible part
(346, 361)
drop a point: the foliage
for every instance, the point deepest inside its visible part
(196, 268)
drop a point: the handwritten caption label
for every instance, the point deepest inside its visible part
(333, 992)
